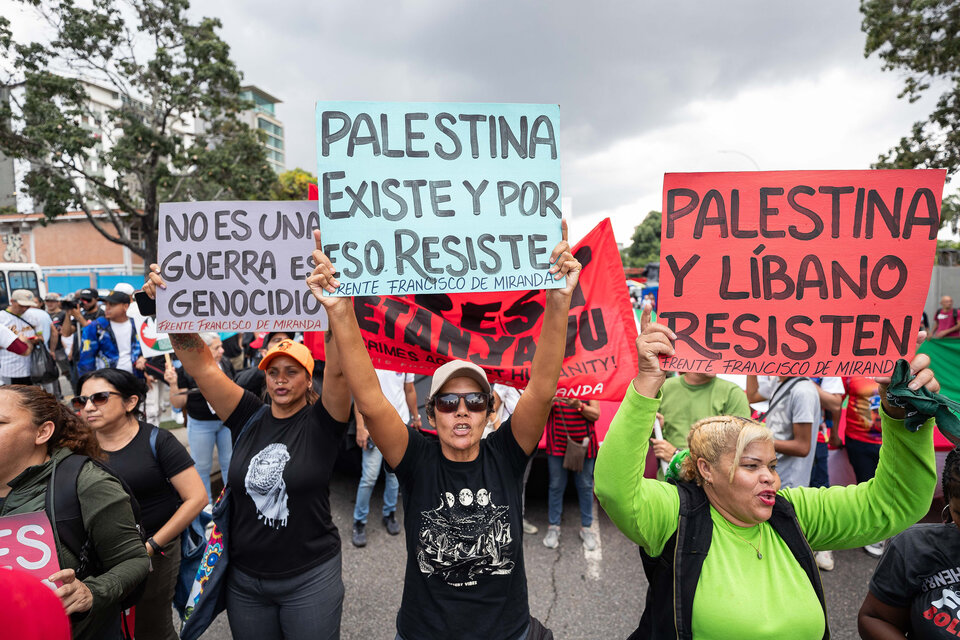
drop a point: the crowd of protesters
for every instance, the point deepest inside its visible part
(277, 422)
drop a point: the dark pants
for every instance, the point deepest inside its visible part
(25, 381)
(154, 613)
(306, 606)
(864, 457)
(820, 474)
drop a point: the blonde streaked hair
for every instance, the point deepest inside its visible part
(710, 438)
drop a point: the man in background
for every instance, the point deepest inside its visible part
(399, 390)
(111, 341)
(690, 397)
(23, 318)
(948, 326)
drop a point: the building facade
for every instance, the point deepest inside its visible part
(71, 253)
(263, 116)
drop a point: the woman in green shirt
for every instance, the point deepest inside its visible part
(37, 433)
(755, 575)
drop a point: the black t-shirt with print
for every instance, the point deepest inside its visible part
(465, 576)
(197, 407)
(280, 524)
(148, 477)
(920, 571)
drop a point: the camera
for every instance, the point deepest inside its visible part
(68, 305)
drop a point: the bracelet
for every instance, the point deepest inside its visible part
(153, 545)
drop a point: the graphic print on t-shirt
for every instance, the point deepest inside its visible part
(465, 537)
(265, 485)
(945, 610)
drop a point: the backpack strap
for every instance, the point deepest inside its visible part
(250, 421)
(154, 433)
(777, 396)
(63, 505)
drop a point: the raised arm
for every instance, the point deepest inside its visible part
(178, 397)
(380, 417)
(753, 390)
(899, 494)
(644, 510)
(410, 394)
(222, 393)
(336, 393)
(530, 416)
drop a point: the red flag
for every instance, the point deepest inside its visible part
(498, 331)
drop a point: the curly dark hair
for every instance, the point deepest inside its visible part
(69, 429)
(951, 475)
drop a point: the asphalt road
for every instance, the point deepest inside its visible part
(579, 595)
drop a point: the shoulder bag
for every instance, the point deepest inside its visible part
(575, 452)
(208, 596)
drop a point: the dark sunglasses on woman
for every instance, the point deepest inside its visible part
(449, 402)
(99, 399)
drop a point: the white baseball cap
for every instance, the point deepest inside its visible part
(24, 297)
(458, 369)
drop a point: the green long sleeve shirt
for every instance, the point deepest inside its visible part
(108, 519)
(739, 595)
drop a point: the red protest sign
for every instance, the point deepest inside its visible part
(819, 273)
(26, 542)
(498, 331)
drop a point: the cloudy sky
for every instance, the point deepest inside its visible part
(643, 87)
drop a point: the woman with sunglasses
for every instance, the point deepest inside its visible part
(38, 433)
(462, 495)
(913, 591)
(161, 475)
(285, 578)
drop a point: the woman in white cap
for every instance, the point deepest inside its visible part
(462, 495)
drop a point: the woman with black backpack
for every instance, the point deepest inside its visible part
(37, 436)
(161, 475)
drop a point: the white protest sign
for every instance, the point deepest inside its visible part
(237, 266)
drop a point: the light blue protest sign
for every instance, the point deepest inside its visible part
(439, 197)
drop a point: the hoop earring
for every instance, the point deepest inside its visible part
(945, 515)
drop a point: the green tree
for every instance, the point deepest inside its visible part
(292, 185)
(645, 243)
(920, 39)
(172, 130)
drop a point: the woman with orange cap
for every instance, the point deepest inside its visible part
(284, 579)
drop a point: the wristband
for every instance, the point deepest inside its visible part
(153, 545)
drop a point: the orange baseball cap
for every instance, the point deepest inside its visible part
(295, 350)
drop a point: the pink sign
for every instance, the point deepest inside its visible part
(26, 542)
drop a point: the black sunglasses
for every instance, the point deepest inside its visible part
(450, 402)
(99, 399)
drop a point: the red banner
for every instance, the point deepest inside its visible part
(797, 273)
(499, 331)
(26, 542)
